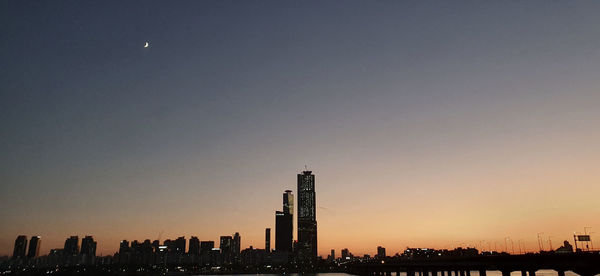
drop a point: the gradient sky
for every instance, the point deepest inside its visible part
(426, 123)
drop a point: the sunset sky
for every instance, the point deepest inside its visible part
(427, 123)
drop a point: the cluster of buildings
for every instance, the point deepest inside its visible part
(20, 250)
(70, 254)
(286, 250)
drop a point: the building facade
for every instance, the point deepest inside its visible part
(307, 218)
(34, 247)
(20, 247)
(268, 240)
(226, 246)
(194, 247)
(72, 246)
(288, 202)
(88, 249)
(237, 244)
(284, 224)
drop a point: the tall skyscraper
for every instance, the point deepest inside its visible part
(226, 249)
(34, 247)
(20, 247)
(380, 252)
(194, 246)
(288, 202)
(88, 249)
(307, 217)
(284, 224)
(346, 254)
(72, 246)
(124, 247)
(268, 240)
(88, 246)
(237, 244)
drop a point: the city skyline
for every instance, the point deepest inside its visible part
(429, 124)
(304, 248)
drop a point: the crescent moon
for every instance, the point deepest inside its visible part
(146, 45)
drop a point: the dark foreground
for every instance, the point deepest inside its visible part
(582, 263)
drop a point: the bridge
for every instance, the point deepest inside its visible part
(582, 263)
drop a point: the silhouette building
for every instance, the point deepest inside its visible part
(72, 246)
(226, 246)
(307, 219)
(20, 247)
(288, 202)
(123, 247)
(380, 252)
(346, 254)
(283, 232)
(180, 245)
(268, 240)
(88, 249)
(88, 246)
(206, 246)
(284, 224)
(236, 244)
(34, 247)
(194, 248)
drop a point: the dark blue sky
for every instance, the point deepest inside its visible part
(405, 100)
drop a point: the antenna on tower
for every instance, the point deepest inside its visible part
(305, 168)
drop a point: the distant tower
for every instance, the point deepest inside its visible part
(237, 244)
(194, 248)
(284, 224)
(88, 249)
(34, 247)
(307, 218)
(72, 246)
(380, 252)
(226, 248)
(268, 240)
(20, 247)
(345, 254)
(124, 247)
(288, 202)
(180, 245)
(88, 246)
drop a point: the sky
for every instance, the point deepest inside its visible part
(427, 123)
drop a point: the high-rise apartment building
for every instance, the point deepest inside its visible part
(380, 252)
(194, 246)
(88, 246)
(34, 247)
(20, 247)
(236, 244)
(226, 247)
(71, 246)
